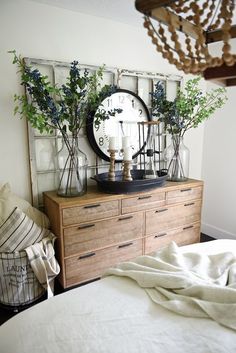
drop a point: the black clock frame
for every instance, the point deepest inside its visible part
(90, 132)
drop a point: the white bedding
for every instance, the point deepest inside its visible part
(190, 284)
(115, 315)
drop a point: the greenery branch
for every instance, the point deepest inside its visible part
(67, 107)
(189, 109)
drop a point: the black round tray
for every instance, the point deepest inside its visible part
(119, 186)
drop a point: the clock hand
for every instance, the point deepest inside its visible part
(122, 127)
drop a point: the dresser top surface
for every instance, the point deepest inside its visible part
(94, 195)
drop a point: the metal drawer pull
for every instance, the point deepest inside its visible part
(162, 210)
(183, 190)
(124, 218)
(187, 227)
(86, 226)
(92, 206)
(86, 255)
(189, 204)
(160, 235)
(124, 245)
(144, 197)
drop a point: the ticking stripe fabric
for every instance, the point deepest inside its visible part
(19, 231)
(18, 283)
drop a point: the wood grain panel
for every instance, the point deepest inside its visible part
(142, 201)
(100, 234)
(174, 216)
(184, 193)
(182, 236)
(93, 264)
(89, 212)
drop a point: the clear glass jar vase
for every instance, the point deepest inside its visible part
(176, 158)
(72, 170)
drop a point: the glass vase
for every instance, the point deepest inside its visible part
(176, 157)
(72, 170)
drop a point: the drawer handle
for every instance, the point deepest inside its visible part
(188, 227)
(124, 218)
(87, 255)
(124, 245)
(183, 190)
(189, 204)
(92, 206)
(160, 235)
(162, 210)
(86, 226)
(144, 197)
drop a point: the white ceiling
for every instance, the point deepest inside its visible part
(117, 10)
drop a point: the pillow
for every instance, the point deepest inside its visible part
(8, 201)
(19, 231)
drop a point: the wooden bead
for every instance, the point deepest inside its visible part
(171, 60)
(219, 61)
(187, 62)
(231, 63)
(177, 46)
(193, 56)
(179, 66)
(165, 55)
(194, 68)
(186, 70)
(150, 33)
(161, 30)
(227, 58)
(226, 47)
(181, 55)
(146, 24)
(214, 62)
(154, 40)
(202, 66)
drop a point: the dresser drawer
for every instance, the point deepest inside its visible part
(93, 211)
(181, 236)
(142, 202)
(93, 264)
(174, 216)
(95, 235)
(184, 194)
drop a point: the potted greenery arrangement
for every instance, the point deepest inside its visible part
(67, 107)
(189, 109)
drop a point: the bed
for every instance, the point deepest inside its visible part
(115, 315)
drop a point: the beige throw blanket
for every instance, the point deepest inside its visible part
(189, 284)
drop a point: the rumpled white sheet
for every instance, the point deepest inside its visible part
(190, 284)
(115, 315)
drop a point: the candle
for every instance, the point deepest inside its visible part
(127, 154)
(125, 142)
(112, 143)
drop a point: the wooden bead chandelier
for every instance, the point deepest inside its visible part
(186, 28)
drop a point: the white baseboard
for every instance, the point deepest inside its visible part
(215, 232)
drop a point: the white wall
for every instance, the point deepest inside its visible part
(40, 31)
(219, 171)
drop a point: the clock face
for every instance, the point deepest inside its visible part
(133, 111)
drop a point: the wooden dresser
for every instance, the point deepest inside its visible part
(98, 230)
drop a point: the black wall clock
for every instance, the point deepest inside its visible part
(134, 110)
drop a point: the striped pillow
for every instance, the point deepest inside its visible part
(19, 231)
